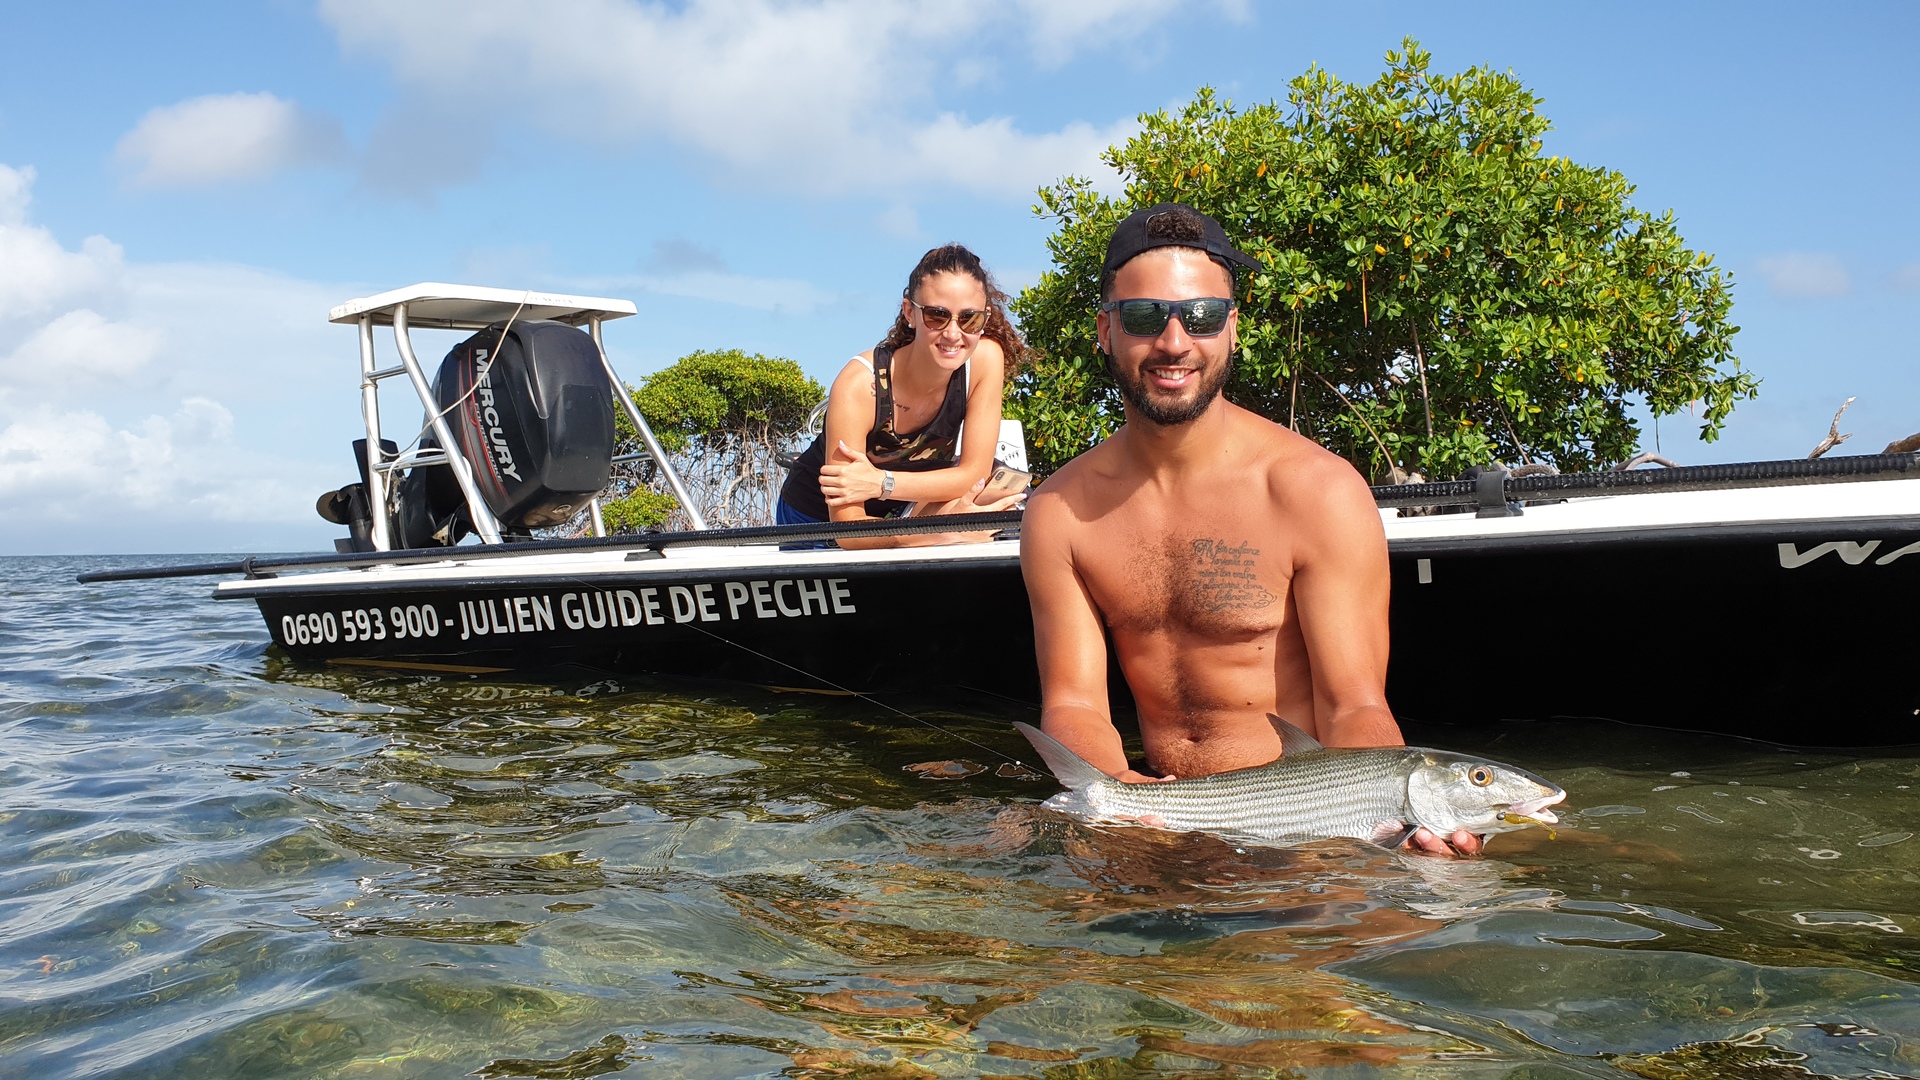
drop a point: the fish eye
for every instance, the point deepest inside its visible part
(1480, 776)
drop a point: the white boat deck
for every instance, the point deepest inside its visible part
(1673, 510)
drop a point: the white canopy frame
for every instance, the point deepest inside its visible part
(440, 306)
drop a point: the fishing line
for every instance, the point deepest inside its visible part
(485, 366)
(862, 696)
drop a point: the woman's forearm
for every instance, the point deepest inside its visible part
(935, 485)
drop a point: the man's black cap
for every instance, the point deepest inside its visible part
(1172, 225)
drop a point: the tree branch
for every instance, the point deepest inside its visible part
(1834, 438)
(1420, 359)
(1905, 446)
(1384, 452)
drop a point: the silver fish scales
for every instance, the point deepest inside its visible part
(1379, 793)
(1343, 795)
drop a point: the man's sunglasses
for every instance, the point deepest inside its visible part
(1204, 316)
(972, 320)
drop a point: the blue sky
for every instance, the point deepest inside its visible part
(188, 187)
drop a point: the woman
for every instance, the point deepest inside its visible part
(914, 420)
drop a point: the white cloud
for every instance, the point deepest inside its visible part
(16, 192)
(227, 137)
(81, 347)
(994, 157)
(51, 457)
(1907, 278)
(141, 400)
(1805, 275)
(1059, 28)
(37, 274)
(829, 96)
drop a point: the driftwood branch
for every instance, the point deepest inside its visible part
(1905, 446)
(1648, 458)
(1834, 438)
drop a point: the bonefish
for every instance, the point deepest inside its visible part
(1381, 794)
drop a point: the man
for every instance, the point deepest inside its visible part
(1240, 568)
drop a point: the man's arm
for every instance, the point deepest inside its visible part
(1068, 640)
(1341, 591)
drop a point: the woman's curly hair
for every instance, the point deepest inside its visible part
(955, 259)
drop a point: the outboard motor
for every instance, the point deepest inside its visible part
(532, 412)
(349, 506)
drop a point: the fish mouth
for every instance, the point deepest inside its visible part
(1536, 809)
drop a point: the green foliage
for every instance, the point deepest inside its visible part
(1436, 293)
(722, 418)
(637, 511)
(722, 397)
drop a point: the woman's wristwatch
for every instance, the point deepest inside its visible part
(886, 483)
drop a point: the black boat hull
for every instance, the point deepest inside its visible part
(1802, 634)
(868, 629)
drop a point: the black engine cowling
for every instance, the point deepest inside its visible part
(532, 412)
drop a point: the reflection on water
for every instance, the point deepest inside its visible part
(215, 864)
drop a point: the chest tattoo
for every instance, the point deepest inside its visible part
(1224, 577)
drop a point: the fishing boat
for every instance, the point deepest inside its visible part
(1769, 600)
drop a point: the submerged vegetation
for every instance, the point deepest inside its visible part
(1437, 292)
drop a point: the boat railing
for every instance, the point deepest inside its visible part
(439, 306)
(420, 456)
(636, 545)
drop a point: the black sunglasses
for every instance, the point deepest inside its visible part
(972, 320)
(1204, 316)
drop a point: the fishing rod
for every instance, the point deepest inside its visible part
(1497, 487)
(266, 565)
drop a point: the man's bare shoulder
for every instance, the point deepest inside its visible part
(1297, 469)
(1090, 467)
(1065, 493)
(1327, 503)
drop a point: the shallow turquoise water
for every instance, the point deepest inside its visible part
(213, 863)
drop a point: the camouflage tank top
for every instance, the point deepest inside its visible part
(934, 445)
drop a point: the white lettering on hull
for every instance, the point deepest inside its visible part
(576, 611)
(1851, 552)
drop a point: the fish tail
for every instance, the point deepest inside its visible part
(1068, 767)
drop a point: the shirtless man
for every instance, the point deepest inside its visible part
(1240, 568)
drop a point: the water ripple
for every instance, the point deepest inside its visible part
(213, 862)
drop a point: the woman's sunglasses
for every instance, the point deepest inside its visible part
(972, 320)
(1205, 316)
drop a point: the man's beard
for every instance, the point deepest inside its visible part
(1133, 388)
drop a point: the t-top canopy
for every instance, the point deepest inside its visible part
(433, 305)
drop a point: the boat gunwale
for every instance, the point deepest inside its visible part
(606, 575)
(435, 578)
